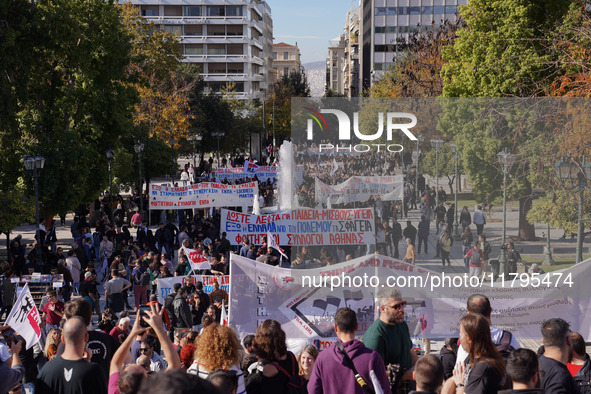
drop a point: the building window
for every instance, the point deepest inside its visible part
(234, 11)
(235, 49)
(193, 11)
(193, 49)
(415, 10)
(175, 29)
(215, 11)
(450, 9)
(216, 30)
(193, 30)
(285, 55)
(427, 10)
(391, 11)
(380, 29)
(234, 30)
(274, 55)
(235, 68)
(285, 70)
(170, 10)
(149, 10)
(216, 49)
(438, 9)
(217, 68)
(380, 11)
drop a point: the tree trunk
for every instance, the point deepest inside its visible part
(526, 229)
(451, 185)
(8, 246)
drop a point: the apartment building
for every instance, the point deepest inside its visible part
(351, 66)
(229, 40)
(385, 26)
(335, 65)
(286, 59)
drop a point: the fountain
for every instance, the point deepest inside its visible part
(286, 174)
(256, 206)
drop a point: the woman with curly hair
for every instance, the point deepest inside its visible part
(218, 347)
(54, 338)
(279, 364)
(299, 384)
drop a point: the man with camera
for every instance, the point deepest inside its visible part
(11, 372)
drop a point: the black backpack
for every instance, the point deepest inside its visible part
(504, 346)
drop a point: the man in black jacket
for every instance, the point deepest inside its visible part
(523, 370)
(164, 239)
(410, 231)
(182, 312)
(580, 363)
(557, 348)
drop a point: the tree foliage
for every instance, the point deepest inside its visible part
(418, 71)
(292, 85)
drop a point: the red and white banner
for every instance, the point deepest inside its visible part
(303, 227)
(202, 195)
(273, 244)
(250, 167)
(24, 318)
(196, 259)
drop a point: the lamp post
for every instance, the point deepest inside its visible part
(575, 178)
(218, 135)
(139, 148)
(506, 159)
(437, 144)
(110, 153)
(172, 141)
(420, 139)
(34, 165)
(454, 150)
(199, 138)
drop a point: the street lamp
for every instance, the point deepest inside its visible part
(218, 135)
(437, 144)
(139, 148)
(420, 139)
(110, 153)
(506, 159)
(454, 150)
(172, 141)
(34, 165)
(573, 177)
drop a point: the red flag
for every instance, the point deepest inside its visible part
(272, 244)
(24, 318)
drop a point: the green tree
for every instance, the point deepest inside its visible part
(501, 52)
(292, 85)
(76, 99)
(15, 209)
(447, 166)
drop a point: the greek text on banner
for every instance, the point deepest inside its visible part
(202, 195)
(303, 227)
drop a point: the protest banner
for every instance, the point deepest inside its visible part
(24, 318)
(165, 285)
(196, 260)
(263, 173)
(359, 189)
(202, 195)
(304, 301)
(303, 227)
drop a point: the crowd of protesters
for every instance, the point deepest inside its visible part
(149, 355)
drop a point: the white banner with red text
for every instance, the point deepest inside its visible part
(304, 301)
(165, 285)
(202, 195)
(360, 189)
(301, 227)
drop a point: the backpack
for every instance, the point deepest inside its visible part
(504, 346)
(475, 258)
(144, 278)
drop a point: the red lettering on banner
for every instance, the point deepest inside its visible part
(203, 202)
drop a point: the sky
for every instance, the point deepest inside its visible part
(310, 23)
